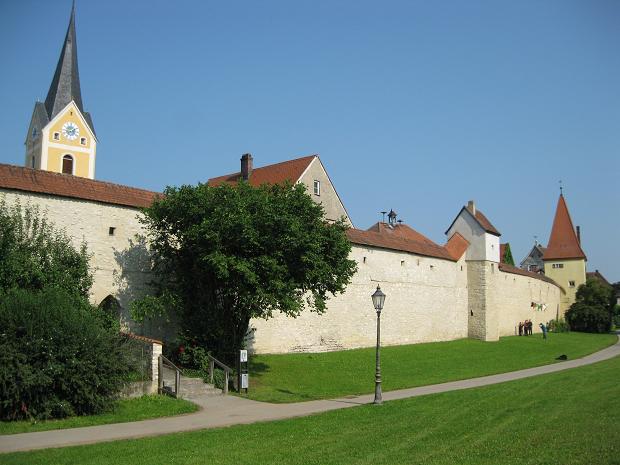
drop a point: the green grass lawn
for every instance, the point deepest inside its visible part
(565, 418)
(125, 410)
(300, 377)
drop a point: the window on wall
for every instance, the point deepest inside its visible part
(317, 187)
(83, 140)
(571, 284)
(67, 164)
(33, 160)
(56, 136)
(557, 265)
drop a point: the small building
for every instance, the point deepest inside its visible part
(534, 260)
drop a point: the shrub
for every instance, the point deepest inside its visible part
(56, 358)
(558, 326)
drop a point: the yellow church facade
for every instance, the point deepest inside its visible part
(65, 145)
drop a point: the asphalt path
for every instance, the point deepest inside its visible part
(221, 411)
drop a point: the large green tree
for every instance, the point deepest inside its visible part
(593, 308)
(224, 255)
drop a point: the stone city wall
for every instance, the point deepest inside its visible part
(119, 262)
(426, 301)
(513, 298)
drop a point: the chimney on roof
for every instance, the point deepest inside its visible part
(471, 206)
(579, 234)
(246, 166)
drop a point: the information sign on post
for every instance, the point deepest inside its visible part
(243, 380)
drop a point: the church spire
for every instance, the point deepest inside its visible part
(66, 83)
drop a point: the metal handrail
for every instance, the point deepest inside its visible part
(177, 375)
(227, 370)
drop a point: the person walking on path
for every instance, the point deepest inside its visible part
(544, 330)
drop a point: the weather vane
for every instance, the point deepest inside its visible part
(561, 188)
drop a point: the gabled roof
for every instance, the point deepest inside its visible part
(400, 230)
(480, 219)
(506, 268)
(456, 246)
(563, 242)
(598, 276)
(278, 173)
(537, 249)
(389, 241)
(66, 185)
(65, 85)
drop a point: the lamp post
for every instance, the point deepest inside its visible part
(378, 298)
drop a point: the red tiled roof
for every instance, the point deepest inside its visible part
(506, 268)
(278, 173)
(388, 241)
(400, 230)
(598, 276)
(563, 242)
(485, 223)
(456, 246)
(502, 251)
(66, 185)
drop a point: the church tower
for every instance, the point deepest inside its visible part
(564, 259)
(61, 136)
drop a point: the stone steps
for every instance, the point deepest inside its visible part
(191, 387)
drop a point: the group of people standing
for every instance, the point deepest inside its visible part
(525, 328)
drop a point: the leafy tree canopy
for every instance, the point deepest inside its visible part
(593, 308)
(226, 254)
(507, 258)
(35, 255)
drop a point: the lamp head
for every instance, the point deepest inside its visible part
(378, 298)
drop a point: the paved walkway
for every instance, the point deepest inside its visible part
(231, 410)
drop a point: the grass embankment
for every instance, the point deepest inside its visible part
(567, 418)
(300, 377)
(125, 410)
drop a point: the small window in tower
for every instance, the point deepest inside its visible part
(111, 231)
(33, 160)
(67, 164)
(317, 187)
(83, 140)
(571, 284)
(364, 259)
(34, 132)
(402, 263)
(56, 136)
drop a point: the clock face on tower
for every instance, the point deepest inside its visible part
(70, 130)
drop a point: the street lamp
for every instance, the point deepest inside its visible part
(378, 298)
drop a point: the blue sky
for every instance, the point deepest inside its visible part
(415, 106)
